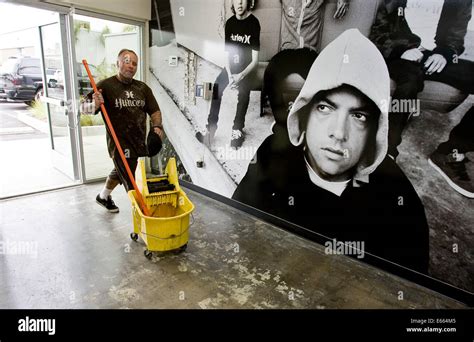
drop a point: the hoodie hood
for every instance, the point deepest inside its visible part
(354, 60)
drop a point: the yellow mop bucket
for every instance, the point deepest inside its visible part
(168, 226)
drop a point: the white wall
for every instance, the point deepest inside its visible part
(24, 42)
(18, 39)
(21, 51)
(199, 26)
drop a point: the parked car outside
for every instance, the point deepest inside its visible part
(3, 82)
(21, 79)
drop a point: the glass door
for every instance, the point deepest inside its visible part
(99, 41)
(56, 97)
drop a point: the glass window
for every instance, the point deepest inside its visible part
(99, 42)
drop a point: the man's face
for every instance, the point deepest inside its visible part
(240, 7)
(338, 129)
(127, 65)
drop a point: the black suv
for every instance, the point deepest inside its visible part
(20, 79)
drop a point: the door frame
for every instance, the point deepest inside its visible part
(62, 163)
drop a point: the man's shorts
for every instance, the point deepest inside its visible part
(120, 174)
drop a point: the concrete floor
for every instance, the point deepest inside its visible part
(82, 257)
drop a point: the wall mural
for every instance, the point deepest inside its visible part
(352, 120)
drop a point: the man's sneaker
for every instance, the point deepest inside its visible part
(453, 169)
(107, 204)
(237, 138)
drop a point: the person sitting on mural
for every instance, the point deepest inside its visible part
(242, 45)
(450, 159)
(335, 178)
(302, 23)
(127, 102)
(410, 65)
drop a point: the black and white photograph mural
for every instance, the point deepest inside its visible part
(350, 119)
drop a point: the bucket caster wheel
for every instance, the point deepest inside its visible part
(134, 236)
(183, 248)
(148, 254)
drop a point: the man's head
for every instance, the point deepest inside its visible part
(242, 7)
(127, 63)
(341, 113)
(340, 125)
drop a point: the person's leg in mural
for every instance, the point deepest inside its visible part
(242, 45)
(217, 90)
(409, 79)
(244, 88)
(450, 159)
(410, 64)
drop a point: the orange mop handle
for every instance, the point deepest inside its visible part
(139, 196)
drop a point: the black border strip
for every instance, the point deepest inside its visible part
(385, 265)
(264, 325)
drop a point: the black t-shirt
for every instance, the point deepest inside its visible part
(241, 37)
(127, 106)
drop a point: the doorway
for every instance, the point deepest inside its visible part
(35, 140)
(45, 141)
(99, 41)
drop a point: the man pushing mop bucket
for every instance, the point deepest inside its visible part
(125, 103)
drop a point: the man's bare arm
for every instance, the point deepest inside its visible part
(157, 124)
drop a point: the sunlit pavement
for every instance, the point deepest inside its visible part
(26, 155)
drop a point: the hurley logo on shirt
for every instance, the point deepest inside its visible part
(128, 101)
(245, 39)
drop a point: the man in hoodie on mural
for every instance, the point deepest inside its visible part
(335, 178)
(410, 65)
(302, 22)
